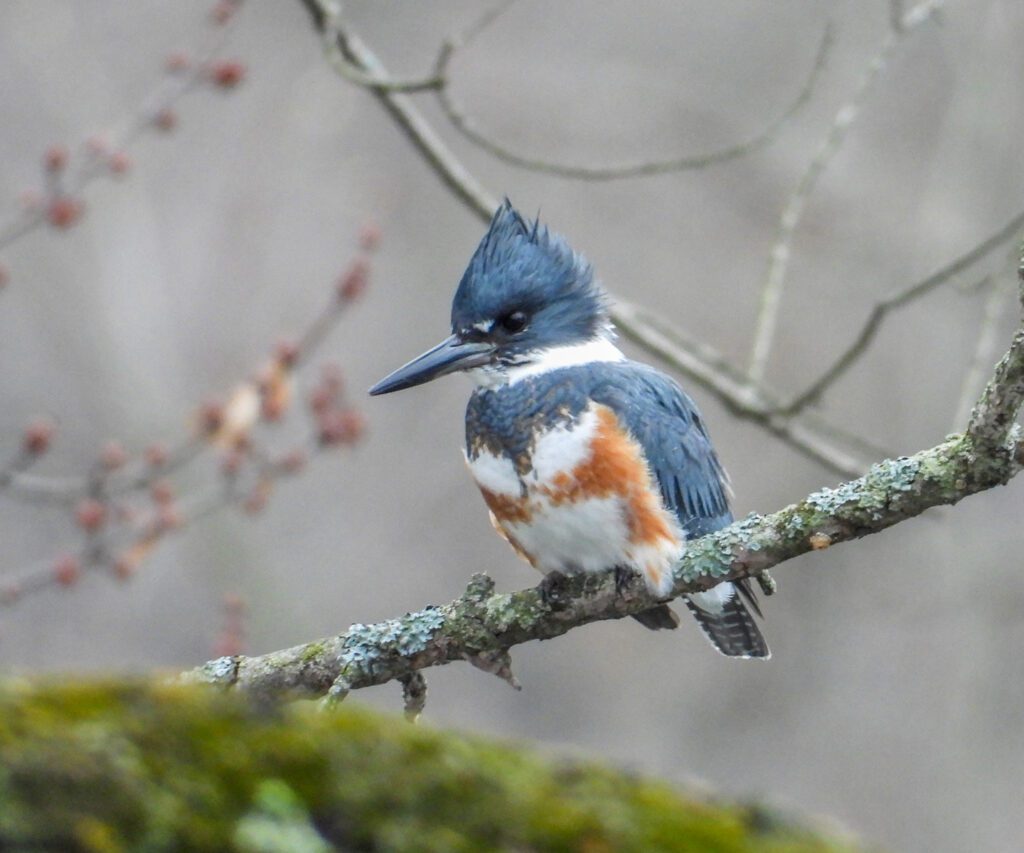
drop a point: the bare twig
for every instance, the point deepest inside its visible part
(993, 421)
(778, 258)
(347, 68)
(416, 129)
(126, 543)
(869, 330)
(984, 348)
(466, 126)
(833, 448)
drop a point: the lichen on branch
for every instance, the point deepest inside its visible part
(482, 625)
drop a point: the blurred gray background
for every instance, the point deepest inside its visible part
(894, 698)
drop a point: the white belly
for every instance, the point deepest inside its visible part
(574, 537)
(555, 517)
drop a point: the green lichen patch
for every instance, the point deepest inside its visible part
(506, 612)
(712, 556)
(363, 645)
(830, 501)
(137, 767)
(314, 651)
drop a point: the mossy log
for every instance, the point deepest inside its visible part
(110, 767)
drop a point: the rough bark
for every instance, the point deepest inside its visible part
(482, 625)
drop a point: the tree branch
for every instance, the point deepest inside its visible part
(835, 449)
(869, 330)
(483, 624)
(902, 25)
(465, 125)
(993, 421)
(123, 508)
(416, 128)
(93, 158)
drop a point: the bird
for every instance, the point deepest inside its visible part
(587, 460)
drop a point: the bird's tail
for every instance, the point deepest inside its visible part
(727, 622)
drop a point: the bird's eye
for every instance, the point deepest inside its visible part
(513, 321)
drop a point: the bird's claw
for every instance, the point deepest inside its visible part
(624, 577)
(553, 590)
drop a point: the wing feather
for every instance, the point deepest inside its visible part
(666, 424)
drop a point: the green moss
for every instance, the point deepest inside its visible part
(110, 768)
(279, 822)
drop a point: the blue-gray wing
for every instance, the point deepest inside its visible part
(666, 424)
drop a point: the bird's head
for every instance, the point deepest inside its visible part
(526, 300)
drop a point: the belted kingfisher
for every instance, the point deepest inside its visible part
(586, 460)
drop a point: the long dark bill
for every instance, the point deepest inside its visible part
(449, 356)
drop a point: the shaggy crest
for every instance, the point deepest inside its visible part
(523, 266)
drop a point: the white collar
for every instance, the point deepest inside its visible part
(600, 348)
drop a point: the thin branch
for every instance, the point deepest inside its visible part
(465, 125)
(869, 330)
(145, 474)
(64, 490)
(120, 548)
(778, 258)
(483, 624)
(126, 511)
(330, 23)
(416, 129)
(833, 448)
(984, 348)
(993, 421)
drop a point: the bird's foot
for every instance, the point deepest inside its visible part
(553, 590)
(625, 577)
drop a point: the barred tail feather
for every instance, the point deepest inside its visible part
(727, 622)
